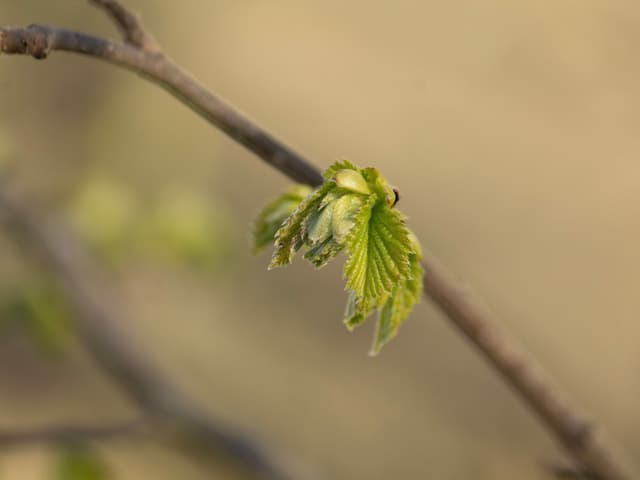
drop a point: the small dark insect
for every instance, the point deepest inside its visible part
(397, 197)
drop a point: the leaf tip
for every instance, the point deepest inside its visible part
(352, 322)
(375, 351)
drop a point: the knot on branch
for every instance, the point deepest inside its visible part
(34, 40)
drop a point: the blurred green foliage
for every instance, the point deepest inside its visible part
(39, 308)
(80, 463)
(186, 227)
(182, 226)
(104, 213)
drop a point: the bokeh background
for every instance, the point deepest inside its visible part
(511, 129)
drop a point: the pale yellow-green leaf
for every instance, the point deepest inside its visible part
(352, 180)
(343, 220)
(337, 166)
(379, 249)
(398, 306)
(273, 215)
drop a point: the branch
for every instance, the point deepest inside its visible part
(563, 470)
(129, 25)
(39, 40)
(561, 417)
(568, 424)
(99, 328)
(68, 434)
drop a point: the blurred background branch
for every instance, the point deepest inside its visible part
(566, 471)
(70, 434)
(99, 322)
(561, 417)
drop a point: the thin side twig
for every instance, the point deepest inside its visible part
(129, 24)
(561, 417)
(70, 434)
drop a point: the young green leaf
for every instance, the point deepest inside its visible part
(379, 250)
(289, 237)
(330, 172)
(352, 180)
(274, 214)
(353, 210)
(398, 305)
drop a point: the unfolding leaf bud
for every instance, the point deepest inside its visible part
(352, 180)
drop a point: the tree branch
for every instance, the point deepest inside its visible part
(566, 471)
(70, 434)
(129, 25)
(568, 424)
(99, 327)
(39, 40)
(560, 416)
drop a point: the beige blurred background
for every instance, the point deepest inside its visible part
(511, 129)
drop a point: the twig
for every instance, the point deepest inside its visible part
(563, 470)
(99, 327)
(129, 24)
(560, 416)
(39, 40)
(70, 434)
(523, 374)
